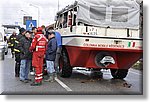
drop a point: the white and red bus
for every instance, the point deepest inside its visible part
(100, 34)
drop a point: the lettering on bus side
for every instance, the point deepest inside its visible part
(103, 45)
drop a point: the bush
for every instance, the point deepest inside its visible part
(138, 65)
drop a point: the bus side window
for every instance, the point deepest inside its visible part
(74, 20)
(60, 22)
(74, 16)
(69, 18)
(65, 20)
(56, 25)
(57, 22)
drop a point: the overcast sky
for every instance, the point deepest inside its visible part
(12, 11)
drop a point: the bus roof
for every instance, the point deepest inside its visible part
(107, 13)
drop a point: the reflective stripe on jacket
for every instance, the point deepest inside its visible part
(39, 43)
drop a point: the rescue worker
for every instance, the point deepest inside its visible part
(26, 57)
(12, 42)
(50, 56)
(38, 47)
(22, 32)
(59, 48)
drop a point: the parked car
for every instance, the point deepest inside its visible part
(6, 45)
(2, 47)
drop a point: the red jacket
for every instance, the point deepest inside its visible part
(39, 43)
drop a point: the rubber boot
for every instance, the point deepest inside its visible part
(12, 55)
(36, 84)
(51, 77)
(55, 75)
(47, 80)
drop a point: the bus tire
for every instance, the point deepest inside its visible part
(119, 73)
(66, 70)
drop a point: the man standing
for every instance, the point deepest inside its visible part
(50, 56)
(58, 52)
(17, 51)
(38, 47)
(43, 29)
(34, 30)
(26, 57)
(12, 43)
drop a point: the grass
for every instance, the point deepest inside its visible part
(138, 65)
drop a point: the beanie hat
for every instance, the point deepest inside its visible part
(49, 33)
(39, 29)
(21, 30)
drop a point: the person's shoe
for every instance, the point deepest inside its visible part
(50, 78)
(47, 80)
(55, 75)
(36, 84)
(25, 81)
(21, 80)
(28, 79)
(12, 56)
(17, 75)
(32, 73)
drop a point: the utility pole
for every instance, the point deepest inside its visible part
(58, 5)
(38, 13)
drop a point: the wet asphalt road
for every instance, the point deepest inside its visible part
(81, 82)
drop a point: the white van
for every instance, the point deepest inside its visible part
(3, 44)
(2, 47)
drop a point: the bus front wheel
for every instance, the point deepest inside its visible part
(65, 67)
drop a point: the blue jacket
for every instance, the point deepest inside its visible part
(58, 38)
(51, 50)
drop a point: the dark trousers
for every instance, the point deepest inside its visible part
(58, 54)
(17, 64)
(17, 69)
(31, 68)
(12, 51)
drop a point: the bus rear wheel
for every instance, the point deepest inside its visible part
(119, 73)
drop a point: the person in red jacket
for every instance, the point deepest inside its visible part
(38, 47)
